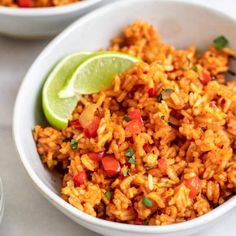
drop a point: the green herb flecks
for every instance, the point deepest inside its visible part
(145, 222)
(220, 42)
(194, 68)
(147, 202)
(132, 161)
(74, 144)
(126, 118)
(129, 152)
(159, 98)
(163, 117)
(125, 172)
(108, 195)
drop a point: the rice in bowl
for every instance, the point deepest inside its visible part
(168, 126)
(35, 3)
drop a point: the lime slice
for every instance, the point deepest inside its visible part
(57, 110)
(96, 72)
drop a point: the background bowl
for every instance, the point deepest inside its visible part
(179, 23)
(32, 23)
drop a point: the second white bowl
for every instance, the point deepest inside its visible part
(36, 23)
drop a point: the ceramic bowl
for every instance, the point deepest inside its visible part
(34, 23)
(179, 23)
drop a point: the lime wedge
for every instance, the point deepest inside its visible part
(96, 72)
(57, 110)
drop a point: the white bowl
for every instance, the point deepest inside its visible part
(179, 23)
(32, 23)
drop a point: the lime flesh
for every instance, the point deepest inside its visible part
(57, 110)
(96, 72)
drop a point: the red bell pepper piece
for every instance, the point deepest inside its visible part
(152, 92)
(80, 178)
(91, 130)
(162, 165)
(76, 124)
(194, 185)
(111, 165)
(146, 147)
(134, 127)
(96, 157)
(25, 3)
(136, 115)
(205, 78)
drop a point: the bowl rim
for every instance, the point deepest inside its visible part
(65, 207)
(46, 11)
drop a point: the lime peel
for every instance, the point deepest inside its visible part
(80, 73)
(56, 110)
(96, 73)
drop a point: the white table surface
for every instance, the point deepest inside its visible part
(27, 213)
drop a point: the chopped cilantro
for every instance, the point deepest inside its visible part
(108, 195)
(220, 42)
(125, 172)
(145, 222)
(159, 98)
(129, 152)
(132, 161)
(74, 144)
(147, 202)
(194, 68)
(126, 118)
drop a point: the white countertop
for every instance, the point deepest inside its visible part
(27, 213)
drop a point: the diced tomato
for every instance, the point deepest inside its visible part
(134, 127)
(136, 115)
(91, 130)
(76, 124)
(152, 92)
(138, 221)
(146, 147)
(96, 157)
(25, 3)
(156, 172)
(194, 185)
(111, 165)
(80, 178)
(205, 78)
(162, 165)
